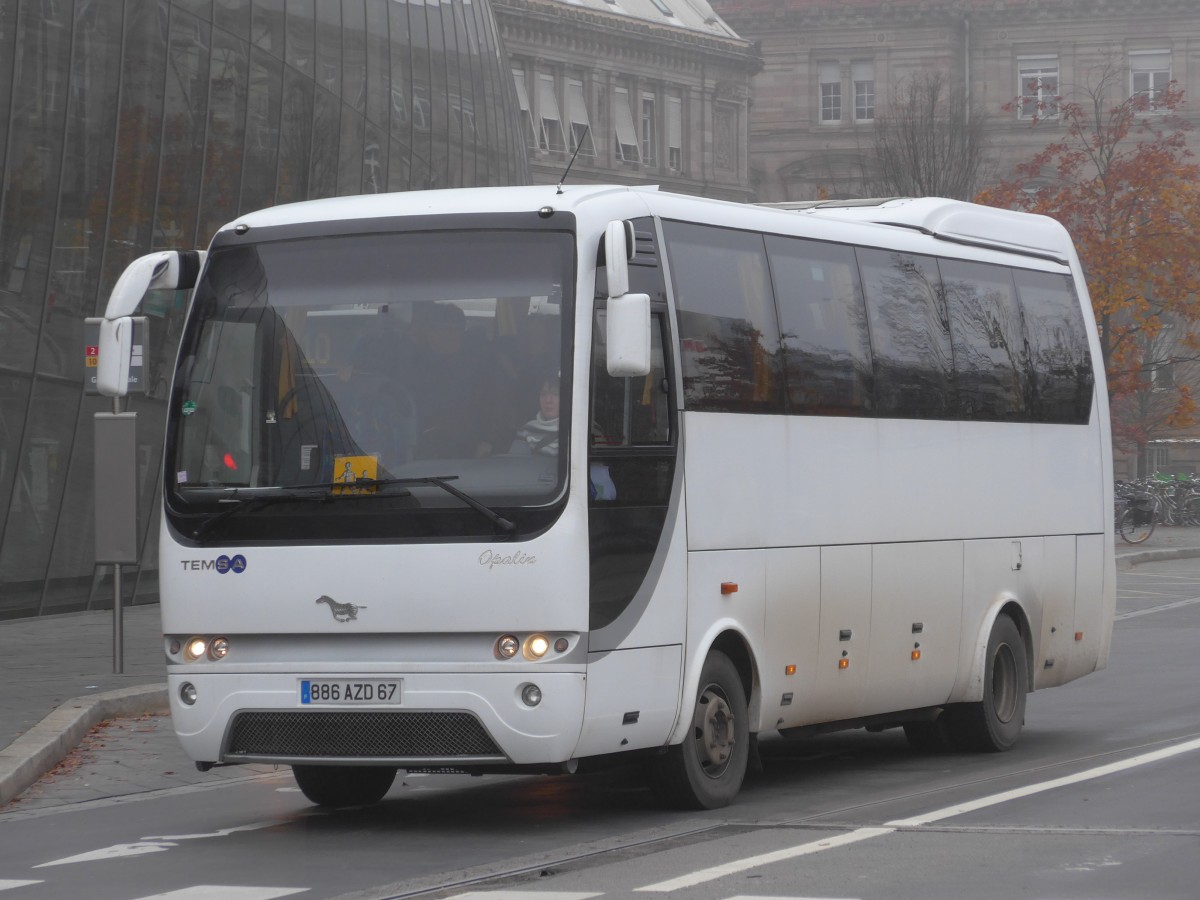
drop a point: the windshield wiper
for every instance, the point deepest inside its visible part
(324, 491)
(257, 501)
(440, 481)
(436, 480)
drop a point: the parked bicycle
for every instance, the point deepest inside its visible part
(1137, 512)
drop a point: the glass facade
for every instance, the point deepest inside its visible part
(128, 126)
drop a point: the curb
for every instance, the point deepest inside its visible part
(1129, 560)
(48, 742)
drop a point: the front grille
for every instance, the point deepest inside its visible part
(391, 735)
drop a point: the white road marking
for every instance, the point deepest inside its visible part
(526, 895)
(223, 832)
(150, 844)
(116, 851)
(764, 859)
(864, 834)
(225, 892)
(1153, 609)
(7, 884)
(1133, 762)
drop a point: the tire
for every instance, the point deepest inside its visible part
(1191, 511)
(344, 785)
(993, 724)
(706, 770)
(1133, 526)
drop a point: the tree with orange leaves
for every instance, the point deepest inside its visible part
(1121, 179)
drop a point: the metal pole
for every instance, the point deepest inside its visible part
(118, 624)
(118, 610)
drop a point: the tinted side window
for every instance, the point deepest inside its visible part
(728, 335)
(910, 335)
(991, 360)
(1058, 347)
(824, 327)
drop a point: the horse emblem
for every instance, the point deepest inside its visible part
(342, 612)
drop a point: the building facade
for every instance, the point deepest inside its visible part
(133, 125)
(831, 65)
(648, 91)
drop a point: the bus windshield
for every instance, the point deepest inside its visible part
(373, 370)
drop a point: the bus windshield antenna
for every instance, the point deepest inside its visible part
(578, 147)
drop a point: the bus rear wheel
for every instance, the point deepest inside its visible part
(706, 770)
(344, 785)
(993, 724)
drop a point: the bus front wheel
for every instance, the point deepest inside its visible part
(706, 770)
(343, 785)
(994, 723)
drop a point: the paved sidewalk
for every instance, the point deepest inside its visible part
(59, 681)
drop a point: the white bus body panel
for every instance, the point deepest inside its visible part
(407, 588)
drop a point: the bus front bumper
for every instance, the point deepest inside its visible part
(443, 719)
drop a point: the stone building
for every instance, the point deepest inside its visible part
(829, 67)
(648, 91)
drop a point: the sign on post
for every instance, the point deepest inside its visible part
(116, 488)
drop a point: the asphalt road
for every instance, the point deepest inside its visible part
(1098, 800)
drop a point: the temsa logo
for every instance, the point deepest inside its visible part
(222, 564)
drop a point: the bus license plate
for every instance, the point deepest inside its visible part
(344, 692)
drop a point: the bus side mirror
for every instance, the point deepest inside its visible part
(116, 348)
(628, 335)
(619, 247)
(164, 270)
(628, 318)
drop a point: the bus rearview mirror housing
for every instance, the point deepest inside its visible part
(164, 270)
(628, 318)
(619, 247)
(116, 349)
(628, 335)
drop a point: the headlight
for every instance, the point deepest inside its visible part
(218, 648)
(194, 649)
(536, 646)
(507, 646)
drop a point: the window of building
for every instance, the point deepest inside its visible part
(581, 124)
(422, 111)
(1037, 84)
(675, 133)
(1149, 75)
(531, 136)
(863, 74)
(550, 134)
(649, 131)
(626, 134)
(829, 75)
(662, 8)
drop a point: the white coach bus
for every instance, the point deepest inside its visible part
(523, 479)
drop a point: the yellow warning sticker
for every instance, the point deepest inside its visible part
(354, 474)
